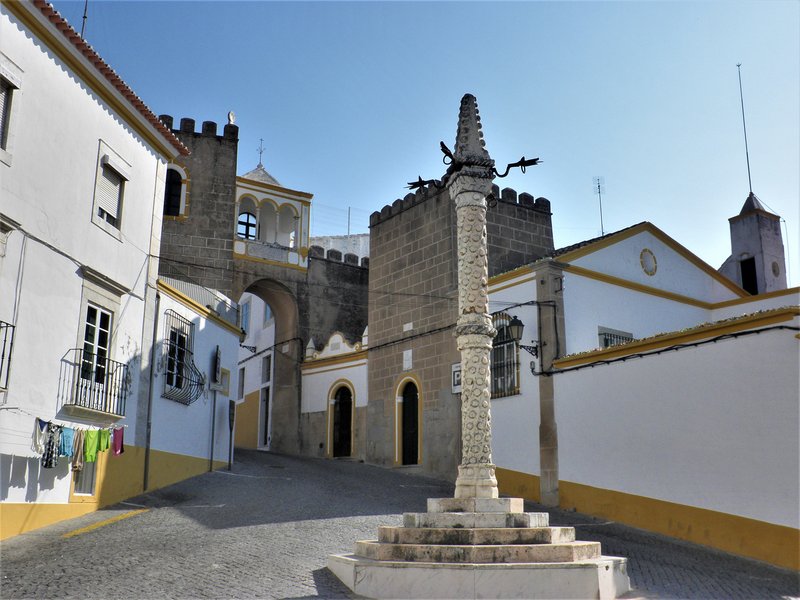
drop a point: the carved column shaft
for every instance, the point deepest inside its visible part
(474, 334)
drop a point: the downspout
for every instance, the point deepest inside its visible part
(213, 428)
(150, 394)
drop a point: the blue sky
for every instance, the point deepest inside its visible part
(352, 99)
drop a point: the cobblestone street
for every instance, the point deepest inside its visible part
(264, 531)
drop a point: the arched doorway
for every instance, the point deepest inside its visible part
(409, 424)
(342, 426)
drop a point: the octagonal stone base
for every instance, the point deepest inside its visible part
(479, 548)
(603, 578)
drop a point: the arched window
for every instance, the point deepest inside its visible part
(505, 359)
(246, 226)
(172, 193)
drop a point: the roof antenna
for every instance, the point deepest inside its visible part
(744, 126)
(85, 11)
(599, 188)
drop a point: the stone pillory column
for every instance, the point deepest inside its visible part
(469, 180)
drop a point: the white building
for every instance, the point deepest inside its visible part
(673, 406)
(82, 167)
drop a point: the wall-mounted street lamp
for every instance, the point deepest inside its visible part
(515, 328)
(251, 348)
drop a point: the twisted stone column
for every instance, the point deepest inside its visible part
(474, 334)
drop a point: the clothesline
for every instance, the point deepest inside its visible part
(80, 444)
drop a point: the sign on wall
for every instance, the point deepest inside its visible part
(455, 380)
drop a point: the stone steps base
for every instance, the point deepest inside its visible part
(605, 578)
(476, 536)
(494, 553)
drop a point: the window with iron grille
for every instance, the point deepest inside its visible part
(183, 382)
(612, 337)
(505, 359)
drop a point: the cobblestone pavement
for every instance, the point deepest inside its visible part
(265, 529)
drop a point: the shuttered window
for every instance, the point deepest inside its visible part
(5, 110)
(109, 191)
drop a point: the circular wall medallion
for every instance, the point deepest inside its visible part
(648, 261)
(776, 270)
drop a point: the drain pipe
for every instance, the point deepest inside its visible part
(213, 428)
(150, 393)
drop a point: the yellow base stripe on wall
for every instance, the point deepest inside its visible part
(121, 478)
(775, 544)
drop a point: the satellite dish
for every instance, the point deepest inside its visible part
(231, 118)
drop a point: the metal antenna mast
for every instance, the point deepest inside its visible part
(744, 127)
(85, 11)
(599, 188)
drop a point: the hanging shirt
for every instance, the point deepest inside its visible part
(77, 450)
(104, 441)
(91, 445)
(67, 440)
(117, 446)
(50, 455)
(39, 435)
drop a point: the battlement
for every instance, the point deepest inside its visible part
(208, 128)
(506, 195)
(336, 256)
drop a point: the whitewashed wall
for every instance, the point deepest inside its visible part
(186, 430)
(589, 303)
(261, 334)
(317, 385)
(515, 419)
(47, 182)
(674, 273)
(714, 427)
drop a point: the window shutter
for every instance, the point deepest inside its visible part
(5, 97)
(108, 191)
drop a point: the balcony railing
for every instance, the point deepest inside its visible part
(6, 345)
(94, 382)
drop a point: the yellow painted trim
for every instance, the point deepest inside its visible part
(398, 417)
(196, 306)
(266, 261)
(508, 275)
(775, 544)
(90, 77)
(309, 371)
(761, 319)
(334, 360)
(247, 196)
(765, 296)
(512, 284)
(665, 239)
(100, 524)
(279, 190)
(118, 478)
(645, 289)
(518, 484)
(329, 409)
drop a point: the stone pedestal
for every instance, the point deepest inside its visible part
(479, 548)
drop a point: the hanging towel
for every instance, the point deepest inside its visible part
(77, 450)
(50, 456)
(67, 440)
(90, 445)
(117, 446)
(39, 435)
(104, 441)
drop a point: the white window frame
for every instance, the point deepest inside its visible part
(112, 163)
(244, 313)
(184, 190)
(11, 75)
(266, 369)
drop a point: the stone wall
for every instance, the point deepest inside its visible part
(413, 305)
(198, 245)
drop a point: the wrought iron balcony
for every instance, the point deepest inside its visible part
(6, 345)
(183, 381)
(94, 382)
